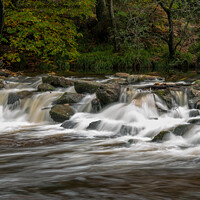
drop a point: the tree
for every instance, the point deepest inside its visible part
(46, 29)
(1, 16)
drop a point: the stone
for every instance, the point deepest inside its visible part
(122, 75)
(69, 98)
(108, 93)
(160, 136)
(44, 87)
(4, 73)
(182, 129)
(57, 81)
(194, 121)
(60, 113)
(68, 124)
(126, 130)
(193, 113)
(14, 97)
(93, 125)
(96, 105)
(83, 87)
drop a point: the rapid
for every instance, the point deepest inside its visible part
(115, 159)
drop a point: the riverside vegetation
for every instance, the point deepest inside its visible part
(100, 36)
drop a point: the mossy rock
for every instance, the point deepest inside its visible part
(70, 98)
(44, 87)
(83, 87)
(160, 136)
(60, 113)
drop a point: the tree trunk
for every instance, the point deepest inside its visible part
(113, 23)
(171, 37)
(101, 10)
(1, 16)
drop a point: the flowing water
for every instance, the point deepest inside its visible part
(117, 160)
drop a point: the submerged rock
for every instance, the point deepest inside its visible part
(70, 98)
(194, 121)
(44, 87)
(57, 81)
(125, 130)
(96, 105)
(68, 124)
(86, 86)
(60, 113)
(160, 136)
(93, 125)
(193, 113)
(108, 93)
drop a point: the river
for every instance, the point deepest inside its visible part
(41, 160)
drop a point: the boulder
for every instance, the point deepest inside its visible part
(60, 113)
(108, 93)
(44, 87)
(194, 121)
(68, 124)
(160, 136)
(70, 98)
(182, 129)
(193, 113)
(93, 125)
(83, 87)
(57, 81)
(14, 97)
(165, 95)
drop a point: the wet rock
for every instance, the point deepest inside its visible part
(86, 86)
(93, 125)
(1, 84)
(44, 87)
(125, 130)
(194, 121)
(68, 124)
(193, 113)
(70, 98)
(96, 105)
(57, 81)
(120, 81)
(12, 98)
(160, 136)
(166, 96)
(194, 103)
(182, 129)
(60, 113)
(108, 93)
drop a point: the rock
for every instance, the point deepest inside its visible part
(194, 103)
(96, 105)
(165, 95)
(193, 113)
(60, 113)
(57, 81)
(139, 78)
(120, 81)
(160, 136)
(14, 97)
(44, 87)
(93, 125)
(125, 130)
(86, 86)
(68, 124)
(182, 129)
(70, 98)
(108, 93)
(1, 84)
(122, 75)
(194, 121)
